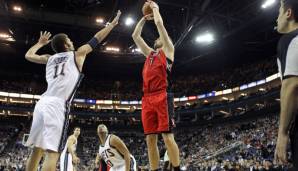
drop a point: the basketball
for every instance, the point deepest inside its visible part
(146, 9)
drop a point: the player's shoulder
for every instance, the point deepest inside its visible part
(168, 54)
(114, 138)
(79, 53)
(289, 37)
(72, 137)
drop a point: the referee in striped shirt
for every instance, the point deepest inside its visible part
(287, 60)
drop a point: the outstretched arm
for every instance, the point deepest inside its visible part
(168, 46)
(98, 37)
(31, 53)
(121, 147)
(139, 41)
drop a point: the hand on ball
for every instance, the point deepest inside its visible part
(149, 17)
(152, 4)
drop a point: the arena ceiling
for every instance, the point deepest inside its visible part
(243, 31)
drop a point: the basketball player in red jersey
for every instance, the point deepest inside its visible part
(157, 102)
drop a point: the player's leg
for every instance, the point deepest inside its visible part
(50, 161)
(150, 125)
(34, 159)
(173, 150)
(165, 110)
(54, 134)
(35, 138)
(153, 152)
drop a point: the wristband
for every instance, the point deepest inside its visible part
(93, 42)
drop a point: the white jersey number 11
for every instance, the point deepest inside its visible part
(57, 67)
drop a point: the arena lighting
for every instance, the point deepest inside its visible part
(137, 50)
(112, 49)
(225, 98)
(240, 108)
(258, 104)
(262, 89)
(268, 3)
(224, 112)
(17, 8)
(205, 38)
(99, 20)
(129, 21)
(4, 35)
(7, 37)
(3, 100)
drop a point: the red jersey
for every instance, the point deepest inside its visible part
(156, 72)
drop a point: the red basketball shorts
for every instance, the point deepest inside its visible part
(158, 113)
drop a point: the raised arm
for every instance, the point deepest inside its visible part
(31, 53)
(121, 147)
(168, 46)
(139, 41)
(98, 37)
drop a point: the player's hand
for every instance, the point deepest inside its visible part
(75, 160)
(44, 38)
(280, 156)
(116, 19)
(149, 17)
(152, 4)
(96, 163)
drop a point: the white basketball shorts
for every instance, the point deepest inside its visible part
(48, 125)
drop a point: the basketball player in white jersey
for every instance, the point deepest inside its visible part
(68, 158)
(113, 152)
(63, 75)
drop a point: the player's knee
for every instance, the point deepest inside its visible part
(37, 151)
(151, 140)
(168, 139)
(52, 155)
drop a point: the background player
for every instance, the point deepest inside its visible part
(287, 59)
(158, 101)
(113, 152)
(63, 75)
(68, 158)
